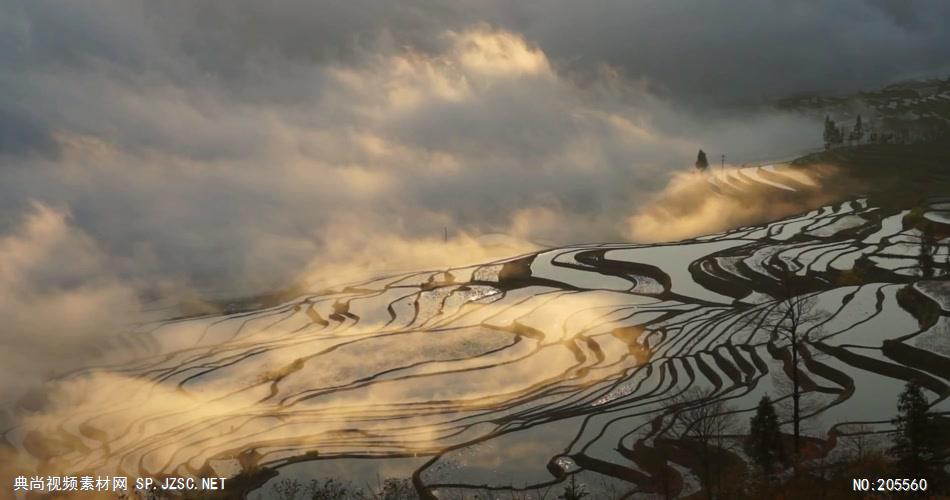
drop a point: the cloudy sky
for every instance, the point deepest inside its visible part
(237, 145)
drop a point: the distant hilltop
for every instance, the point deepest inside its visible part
(890, 97)
(914, 111)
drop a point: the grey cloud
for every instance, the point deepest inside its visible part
(237, 145)
(219, 140)
(59, 299)
(737, 51)
(21, 134)
(693, 50)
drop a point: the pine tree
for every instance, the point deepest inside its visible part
(858, 132)
(701, 162)
(839, 134)
(831, 132)
(916, 437)
(765, 438)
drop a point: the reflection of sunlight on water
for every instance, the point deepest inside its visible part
(500, 378)
(675, 260)
(694, 204)
(332, 383)
(515, 459)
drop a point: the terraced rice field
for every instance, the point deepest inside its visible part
(514, 374)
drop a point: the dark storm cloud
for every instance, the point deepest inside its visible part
(693, 52)
(710, 52)
(734, 51)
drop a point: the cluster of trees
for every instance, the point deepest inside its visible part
(918, 451)
(705, 430)
(893, 131)
(835, 135)
(918, 437)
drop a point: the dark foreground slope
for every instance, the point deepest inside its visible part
(890, 174)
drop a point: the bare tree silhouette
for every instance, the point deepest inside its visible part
(793, 321)
(706, 423)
